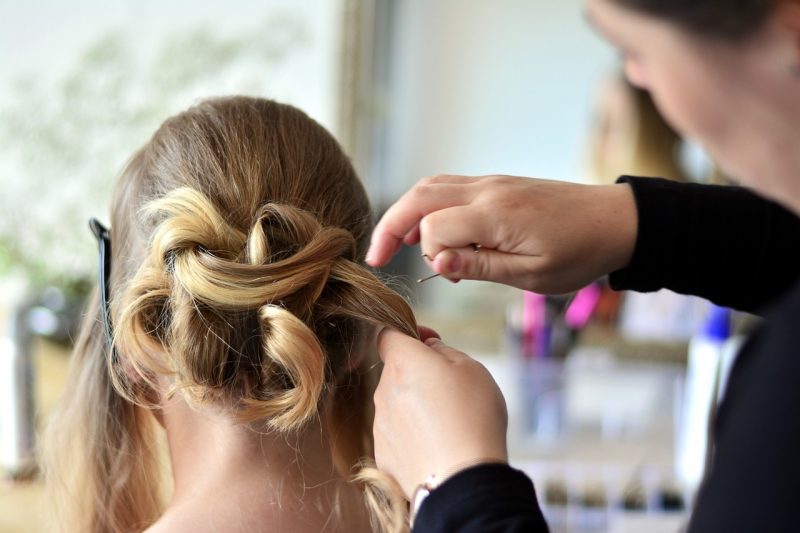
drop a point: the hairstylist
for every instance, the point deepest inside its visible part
(723, 72)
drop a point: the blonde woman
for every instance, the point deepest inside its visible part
(235, 317)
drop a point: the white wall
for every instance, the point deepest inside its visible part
(44, 39)
(480, 86)
(98, 77)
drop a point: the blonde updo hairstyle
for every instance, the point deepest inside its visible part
(238, 235)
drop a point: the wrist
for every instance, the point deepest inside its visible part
(435, 480)
(442, 474)
(622, 227)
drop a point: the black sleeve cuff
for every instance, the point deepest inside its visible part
(722, 243)
(488, 498)
(657, 238)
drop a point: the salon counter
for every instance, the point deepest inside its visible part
(21, 502)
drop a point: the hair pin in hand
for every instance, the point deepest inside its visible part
(423, 280)
(475, 249)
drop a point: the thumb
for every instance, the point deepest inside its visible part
(393, 344)
(445, 350)
(485, 264)
(426, 333)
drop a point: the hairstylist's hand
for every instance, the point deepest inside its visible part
(546, 236)
(437, 411)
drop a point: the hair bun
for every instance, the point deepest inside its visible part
(286, 258)
(209, 279)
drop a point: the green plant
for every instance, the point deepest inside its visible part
(62, 143)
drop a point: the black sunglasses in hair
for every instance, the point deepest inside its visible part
(103, 236)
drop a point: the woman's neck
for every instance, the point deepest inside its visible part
(261, 478)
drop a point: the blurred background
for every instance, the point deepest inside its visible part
(606, 395)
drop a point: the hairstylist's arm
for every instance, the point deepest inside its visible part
(546, 236)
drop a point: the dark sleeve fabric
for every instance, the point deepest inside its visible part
(489, 498)
(754, 477)
(724, 244)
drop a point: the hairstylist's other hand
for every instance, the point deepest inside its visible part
(437, 411)
(546, 236)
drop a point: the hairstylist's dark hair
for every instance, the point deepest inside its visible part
(726, 19)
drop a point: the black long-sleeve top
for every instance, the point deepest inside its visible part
(738, 250)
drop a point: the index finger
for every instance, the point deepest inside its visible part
(424, 198)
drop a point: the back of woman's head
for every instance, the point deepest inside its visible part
(238, 234)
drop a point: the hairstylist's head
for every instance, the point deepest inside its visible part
(723, 72)
(238, 235)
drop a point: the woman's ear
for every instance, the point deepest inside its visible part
(148, 386)
(363, 355)
(155, 398)
(158, 414)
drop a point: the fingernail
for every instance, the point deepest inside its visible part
(433, 341)
(446, 267)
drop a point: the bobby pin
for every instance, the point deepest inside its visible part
(475, 249)
(423, 280)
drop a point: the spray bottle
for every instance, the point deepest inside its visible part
(706, 350)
